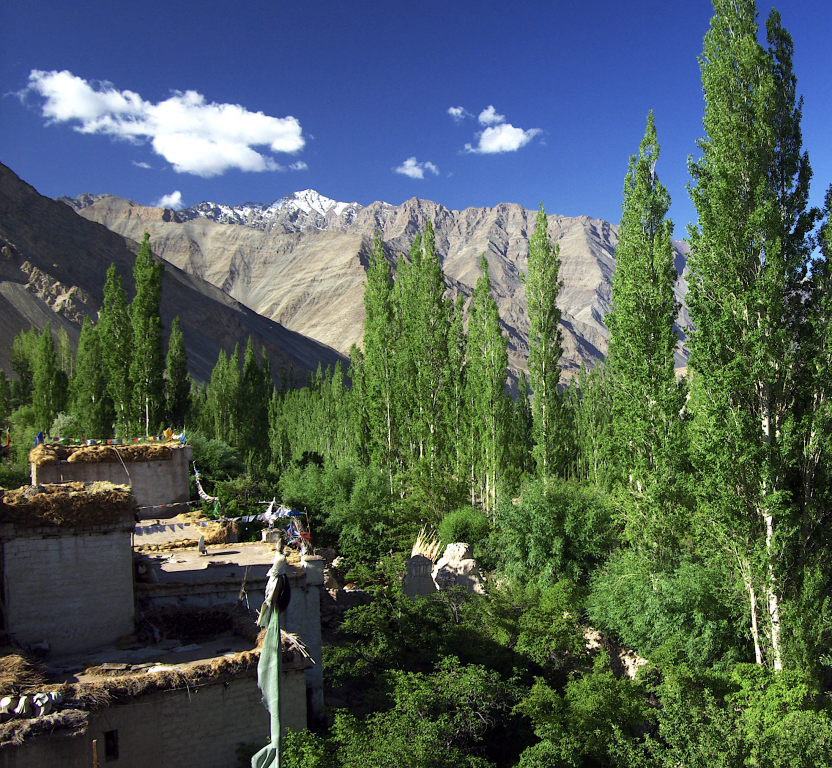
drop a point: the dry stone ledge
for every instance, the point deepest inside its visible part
(457, 568)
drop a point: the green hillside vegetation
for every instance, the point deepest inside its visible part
(684, 519)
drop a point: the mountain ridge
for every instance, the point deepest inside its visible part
(53, 266)
(300, 260)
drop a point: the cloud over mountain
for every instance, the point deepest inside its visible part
(195, 136)
(173, 200)
(416, 170)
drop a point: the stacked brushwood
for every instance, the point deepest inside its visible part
(194, 624)
(67, 504)
(49, 453)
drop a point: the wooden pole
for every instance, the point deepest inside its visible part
(95, 753)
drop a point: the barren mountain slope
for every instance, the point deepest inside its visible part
(301, 260)
(53, 265)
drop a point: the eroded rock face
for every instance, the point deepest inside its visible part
(301, 260)
(457, 568)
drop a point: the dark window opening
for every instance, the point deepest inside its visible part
(110, 745)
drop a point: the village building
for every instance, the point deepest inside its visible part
(147, 657)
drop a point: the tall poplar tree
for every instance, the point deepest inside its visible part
(177, 381)
(147, 362)
(455, 391)
(24, 349)
(424, 316)
(255, 395)
(115, 337)
(645, 438)
(91, 404)
(748, 261)
(543, 284)
(379, 363)
(44, 381)
(222, 404)
(487, 367)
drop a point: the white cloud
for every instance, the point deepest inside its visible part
(489, 116)
(196, 137)
(298, 166)
(458, 113)
(173, 200)
(416, 170)
(502, 138)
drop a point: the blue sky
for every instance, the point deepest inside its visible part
(554, 98)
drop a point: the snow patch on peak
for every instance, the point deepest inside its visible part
(306, 208)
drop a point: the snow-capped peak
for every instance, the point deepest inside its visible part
(294, 212)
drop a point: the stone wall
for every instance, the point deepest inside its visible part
(201, 727)
(163, 481)
(72, 588)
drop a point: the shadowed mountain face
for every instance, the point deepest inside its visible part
(53, 265)
(300, 260)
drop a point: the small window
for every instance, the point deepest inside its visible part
(110, 746)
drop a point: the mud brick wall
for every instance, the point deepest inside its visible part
(73, 589)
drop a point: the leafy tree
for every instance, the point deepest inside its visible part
(64, 358)
(177, 381)
(683, 607)
(557, 530)
(646, 438)
(147, 365)
(518, 448)
(45, 380)
(24, 350)
(748, 261)
(5, 399)
(424, 315)
(379, 364)
(487, 367)
(91, 404)
(580, 727)
(223, 398)
(589, 402)
(545, 346)
(439, 720)
(456, 391)
(116, 339)
(255, 395)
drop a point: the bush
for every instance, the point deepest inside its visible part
(66, 425)
(215, 461)
(14, 476)
(683, 610)
(350, 509)
(557, 530)
(467, 524)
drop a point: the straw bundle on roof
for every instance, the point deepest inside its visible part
(18, 674)
(71, 722)
(93, 454)
(67, 504)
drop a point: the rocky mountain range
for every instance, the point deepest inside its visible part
(53, 265)
(300, 261)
